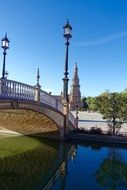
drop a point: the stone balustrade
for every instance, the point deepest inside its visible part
(16, 90)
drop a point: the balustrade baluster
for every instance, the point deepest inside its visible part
(20, 94)
(31, 93)
(22, 90)
(28, 93)
(25, 92)
(30, 97)
(10, 88)
(5, 88)
(15, 90)
(18, 90)
(33, 97)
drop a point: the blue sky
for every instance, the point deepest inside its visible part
(98, 44)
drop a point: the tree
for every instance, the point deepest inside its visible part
(112, 172)
(91, 101)
(85, 104)
(113, 107)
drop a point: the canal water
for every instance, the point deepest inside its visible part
(31, 163)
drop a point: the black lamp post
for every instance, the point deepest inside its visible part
(67, 34)
(5, 45)
(77, 112)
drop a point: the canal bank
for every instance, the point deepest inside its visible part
(98, 138)
(76, 136)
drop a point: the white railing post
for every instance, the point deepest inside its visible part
(37, 93)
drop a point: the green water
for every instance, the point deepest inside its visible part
(29, 163)
(24, 161)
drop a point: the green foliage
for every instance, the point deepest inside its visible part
(113, 107)
(89, 103)
(93, 130)
(85, 104)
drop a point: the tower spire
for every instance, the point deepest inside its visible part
(75, 70)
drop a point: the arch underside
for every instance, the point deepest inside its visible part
(26, 122)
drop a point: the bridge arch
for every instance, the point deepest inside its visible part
(32, 117)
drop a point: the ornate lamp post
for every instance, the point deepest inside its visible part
(67, 34)
(77, 118)
(5, 45)
(77, 112)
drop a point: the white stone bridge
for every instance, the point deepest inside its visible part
(27, 110)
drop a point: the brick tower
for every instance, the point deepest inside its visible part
(75, 94)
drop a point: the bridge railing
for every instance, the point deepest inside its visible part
(50, 100)
(17, 90)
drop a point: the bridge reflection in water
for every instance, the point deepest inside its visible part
(32, 163)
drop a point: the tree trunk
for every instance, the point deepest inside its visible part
(114, 123)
